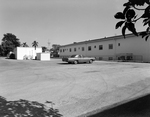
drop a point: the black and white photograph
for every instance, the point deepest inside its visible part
(74, 58)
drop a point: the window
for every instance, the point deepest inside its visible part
(80, 56)
(118, 44)
(82, 48)
(100, 58)
(95, 46)
(100, 47)
(110, 58)
(121, 58)
(79, 48)
(89, 48)
(63, 50)
(70, 49)
(75, 49)
(110, 46)
(60, 50)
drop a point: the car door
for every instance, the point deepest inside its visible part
(79, 59)
(82, 60)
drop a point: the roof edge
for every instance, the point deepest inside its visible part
(101, 39)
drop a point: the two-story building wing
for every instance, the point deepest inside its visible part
(132, 47)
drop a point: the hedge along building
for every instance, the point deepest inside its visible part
(132, 47)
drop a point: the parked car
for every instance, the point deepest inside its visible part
(78, 59)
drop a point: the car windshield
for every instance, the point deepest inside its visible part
(73, 56)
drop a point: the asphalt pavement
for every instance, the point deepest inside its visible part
(76, 90)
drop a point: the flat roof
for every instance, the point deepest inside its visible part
(100, 39)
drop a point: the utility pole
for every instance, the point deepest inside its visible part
(49, 45)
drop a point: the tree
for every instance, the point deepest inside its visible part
(1, 50)
(24, 44)
(35, 44)
(55, 50)
(130, 17)
(9, 42)
(44, 48)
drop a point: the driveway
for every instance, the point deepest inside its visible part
(76, 90)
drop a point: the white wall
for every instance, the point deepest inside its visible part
(136, 45)
(78, 50)
(43, 56)
(132, 44)
(21, 52)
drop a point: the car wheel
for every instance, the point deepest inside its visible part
(90, 61)
(75, 62)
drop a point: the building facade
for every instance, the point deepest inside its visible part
(22, 53)
(111, 48)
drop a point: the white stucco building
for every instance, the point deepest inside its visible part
(26, 52)
(43, 56)
(111, 48)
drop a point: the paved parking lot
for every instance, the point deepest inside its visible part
(75, 89)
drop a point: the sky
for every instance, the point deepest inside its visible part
(59, 21)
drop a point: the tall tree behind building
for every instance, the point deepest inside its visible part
(24, 44)
(55, 50)
(9, 42)
(35, 44)
(44, 49)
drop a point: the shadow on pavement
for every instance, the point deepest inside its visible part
(136, 108)
(25, 108)
(63, 63)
